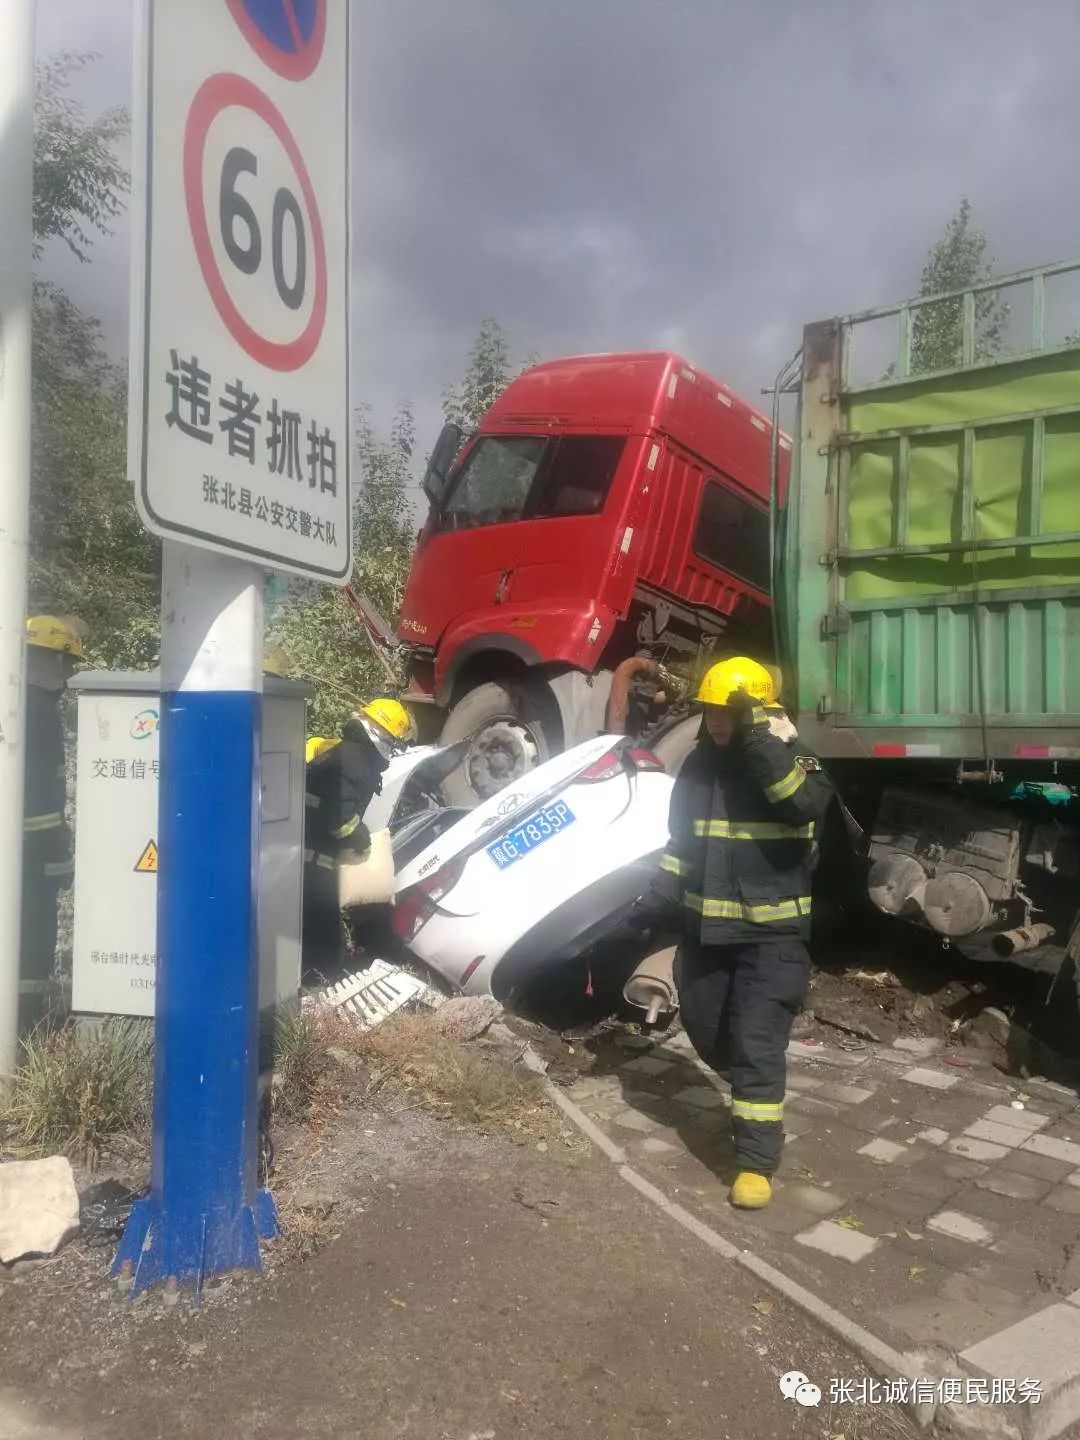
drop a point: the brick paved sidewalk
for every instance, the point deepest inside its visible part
(913, 1194)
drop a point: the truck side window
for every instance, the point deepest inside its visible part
(579, 475)
(733, 534)
(495, 482)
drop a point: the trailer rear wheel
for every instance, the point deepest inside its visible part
(512, 728)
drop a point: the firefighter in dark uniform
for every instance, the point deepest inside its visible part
(53, 646)
(738, 865)
(343, 776)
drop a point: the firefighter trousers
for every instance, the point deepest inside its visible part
(738, 1003)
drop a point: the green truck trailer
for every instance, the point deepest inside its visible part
(927, 589)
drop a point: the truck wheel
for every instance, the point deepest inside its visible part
(511, 730)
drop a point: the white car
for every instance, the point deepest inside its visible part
(536, 875)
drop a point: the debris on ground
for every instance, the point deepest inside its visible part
(828, 1017)
(466, 1017)
(105, 1208)
(372, 994)
(39, 1207)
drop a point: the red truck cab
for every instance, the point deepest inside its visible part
(607, 506)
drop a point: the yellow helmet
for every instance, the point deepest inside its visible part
(56, 632)
(389, 715)
(316, 746)
(739, 673)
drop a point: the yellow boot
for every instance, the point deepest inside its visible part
(751, 1191)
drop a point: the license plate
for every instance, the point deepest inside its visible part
(552, 820)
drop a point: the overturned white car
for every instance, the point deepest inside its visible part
(532, 878)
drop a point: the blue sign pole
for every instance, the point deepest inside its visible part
(205, 1213)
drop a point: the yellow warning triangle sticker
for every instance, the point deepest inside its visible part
(147, 861)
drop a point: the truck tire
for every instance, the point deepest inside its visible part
(513, 727)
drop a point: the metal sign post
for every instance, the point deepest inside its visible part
(16, 249)
(239, 455)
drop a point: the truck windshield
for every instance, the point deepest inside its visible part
(519, 477)
(495, 482)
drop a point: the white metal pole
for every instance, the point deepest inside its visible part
(16, 244)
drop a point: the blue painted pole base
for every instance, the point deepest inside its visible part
(205, 1213)
(154, 1253)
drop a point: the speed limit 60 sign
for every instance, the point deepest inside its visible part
(239, 429)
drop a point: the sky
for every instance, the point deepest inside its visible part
(701, 175)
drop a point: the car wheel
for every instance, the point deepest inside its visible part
(511, 728)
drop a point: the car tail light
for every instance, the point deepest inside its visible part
(606, 768)
(644, 760)
(415, 906)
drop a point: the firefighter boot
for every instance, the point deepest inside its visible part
(751, 1191)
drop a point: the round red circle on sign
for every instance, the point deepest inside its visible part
(297, 63)
(213, 96)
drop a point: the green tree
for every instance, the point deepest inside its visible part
(89, 554)
(487, 376)
(317, 626)
(957, 260)
(79, 182)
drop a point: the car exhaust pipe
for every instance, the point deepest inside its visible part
(652, 986)
(1024, 937)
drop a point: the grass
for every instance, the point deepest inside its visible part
(75, 1088)
(469, 1083)
(303, 1070)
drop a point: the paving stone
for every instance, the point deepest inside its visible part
(933, 1136)
(843, 1094)
(1065, 1198)
(809, 1198)
(962, 1169)
(885, 1150)
(985, 1267)
(799, 1050)
(703, 1097)
(1045, 1345)
(903, 1209)
(1006, 1135)
(1005, 1304)
(976, 1149)
(797, 1124)
(1016, 1187)
(960, 1227)
(595, 1086)
(867, 1120)
(838, 1241)
(1067, 1151)
(1073, 1179)
(692, 1119)
(802, 1083)
(931, 1079)
(1001, 1212)
(811, 1105)
(1040, 1166)
(646, 1065)
(1030, 1120)
(924, 1046)
(940, 1321)
(633, 1120)
(926, 1178)
(655, 1146)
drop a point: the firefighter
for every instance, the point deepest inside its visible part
(343, 776)
(738, 865)
(54, 646)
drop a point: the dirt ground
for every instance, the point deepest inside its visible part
(865, 990)
(466, 1288)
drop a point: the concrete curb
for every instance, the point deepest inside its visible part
(1058, 1409)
